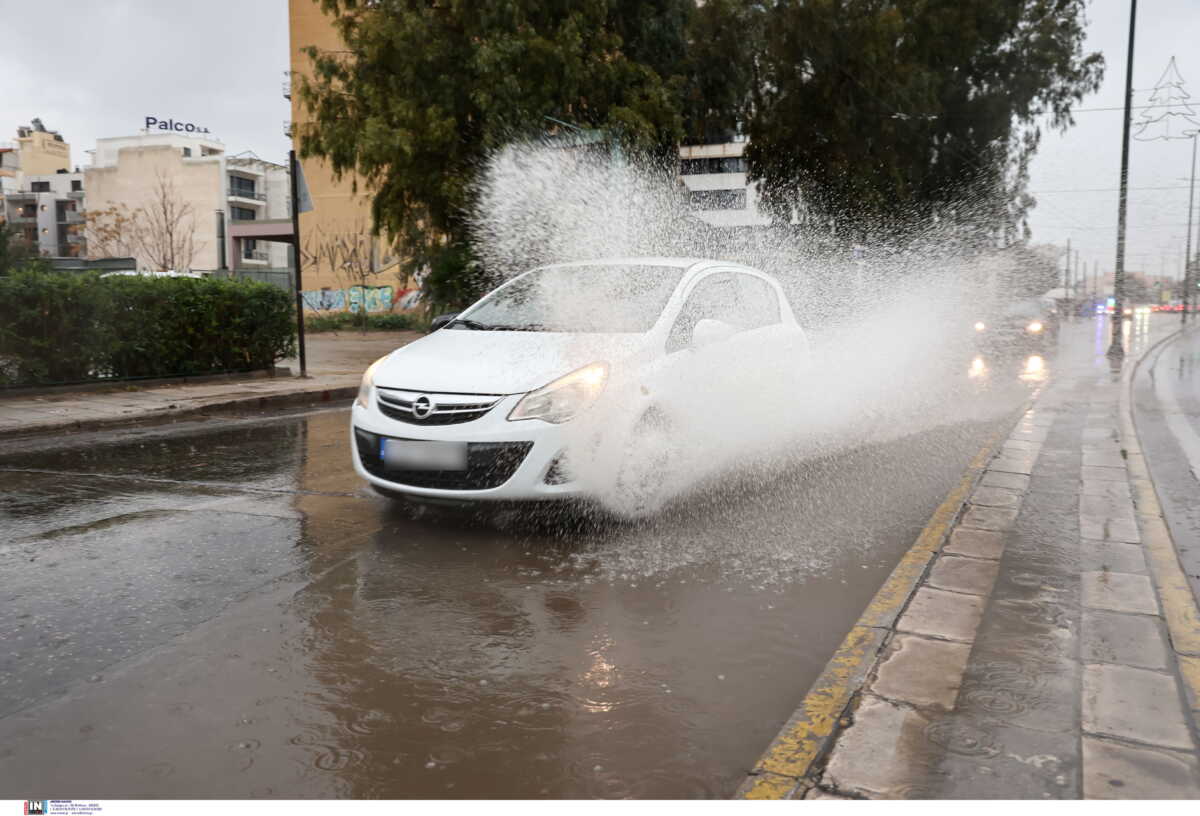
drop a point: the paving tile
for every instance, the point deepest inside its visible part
(989, 518)
(1119, 592)
(922, 671)
(1118, 506)
(938, 613)
(1116, 490)
(1136, 704)
(1001, 761)
(1100, 528)
(1112, 770)
(1109, 460)
(976, 544)
(1116, 637)
(1013, 464)
(1022, 445)
(883, 754)
(1012, 481)
(1103, 474)
(970, 575)
(1111, 556)
(996, 497)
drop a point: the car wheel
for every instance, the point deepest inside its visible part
(643, 482)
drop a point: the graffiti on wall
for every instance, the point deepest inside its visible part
(355, 298)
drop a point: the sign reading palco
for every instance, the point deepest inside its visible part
(154, 123)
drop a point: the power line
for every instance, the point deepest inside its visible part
(1105, 189)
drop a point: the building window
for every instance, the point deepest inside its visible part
(39, 186)
(187, 152)
(241, 213)
(248, 249)
(240, 186)
(76, 185)
(720, 164)
(718, 199)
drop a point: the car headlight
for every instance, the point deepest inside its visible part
(980, 326)
(368, 381)
(1035, 326)
(564, 398)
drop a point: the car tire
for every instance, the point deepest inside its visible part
(642, 485)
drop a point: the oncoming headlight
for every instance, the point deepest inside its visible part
(1035, 326)
(564, 398)
(368, 380)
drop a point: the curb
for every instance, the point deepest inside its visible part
(167, 415)
(784, 768)
(1170, 582)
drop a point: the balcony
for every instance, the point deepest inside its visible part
(73, 217)
(287, 128)
(248, 195)
(287, 85)
(256, 256)
(76, 194)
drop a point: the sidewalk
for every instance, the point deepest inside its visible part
(1047, 647)
(335, 365)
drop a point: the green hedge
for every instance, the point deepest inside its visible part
(62, 327)
(353, 321)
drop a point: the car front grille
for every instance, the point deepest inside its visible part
(444, 409)
(489, 464)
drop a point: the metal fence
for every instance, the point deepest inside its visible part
(277, 277)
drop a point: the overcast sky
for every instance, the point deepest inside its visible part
(93, 69)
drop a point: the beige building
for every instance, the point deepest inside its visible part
(340, 222)
(40, 199)
(186, 185)
(42, 151)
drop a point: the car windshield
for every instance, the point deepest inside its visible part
(590, 299)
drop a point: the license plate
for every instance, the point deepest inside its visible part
(407, 454)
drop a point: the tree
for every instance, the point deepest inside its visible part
(422, 91)
(15, 251)
(164, 230)
(882, 116)
(111, 232)
(1168, 103)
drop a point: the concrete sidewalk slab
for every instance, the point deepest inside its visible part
(336, 363)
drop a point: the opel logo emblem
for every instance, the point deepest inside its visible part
(422, 407)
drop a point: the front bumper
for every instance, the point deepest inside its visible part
(507, 461)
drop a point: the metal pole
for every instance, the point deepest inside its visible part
(296, 260)
(1187, 253)
(1115, 348)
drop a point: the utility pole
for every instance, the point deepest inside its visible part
(293, 171)
(1187, 253)
(1116, 349)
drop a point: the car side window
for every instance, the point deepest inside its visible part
(760, 304)
(714, 298)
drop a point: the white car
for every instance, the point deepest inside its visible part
(580, 379)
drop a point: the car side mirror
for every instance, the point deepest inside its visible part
(441, 320)
(708, 332)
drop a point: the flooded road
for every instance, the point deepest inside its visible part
(222, 609)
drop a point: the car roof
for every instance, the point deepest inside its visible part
(690, 264)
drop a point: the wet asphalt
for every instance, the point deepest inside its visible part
(221, 609)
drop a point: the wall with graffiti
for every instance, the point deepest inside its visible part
(358, 298)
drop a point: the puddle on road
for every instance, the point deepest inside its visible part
(437, 653)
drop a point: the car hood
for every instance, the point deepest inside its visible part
(498, 362)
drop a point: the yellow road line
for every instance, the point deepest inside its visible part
(782, 770)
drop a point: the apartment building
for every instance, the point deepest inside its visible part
(714, 176)
(208, 190)
(40, 198)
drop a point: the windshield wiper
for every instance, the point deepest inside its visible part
(470, 324)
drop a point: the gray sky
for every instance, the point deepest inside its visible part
(93, 69)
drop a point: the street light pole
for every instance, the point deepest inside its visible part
(1187, 253)
(1115, 348)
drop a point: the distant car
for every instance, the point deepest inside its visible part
(1018, 327)
(574, 380)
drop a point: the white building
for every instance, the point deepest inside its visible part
(717, 189)
(217, 190)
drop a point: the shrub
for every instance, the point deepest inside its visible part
(58, 327)
(353, 321)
